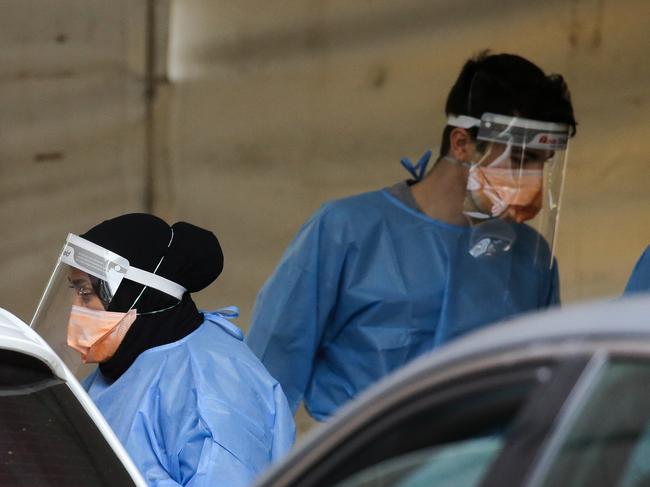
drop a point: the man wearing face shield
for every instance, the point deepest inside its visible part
(374, 280)
(186, 397)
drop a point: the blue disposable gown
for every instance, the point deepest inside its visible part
(201, 411)
(640, 278)
(368, 284)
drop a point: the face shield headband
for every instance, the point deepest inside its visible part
(520, 132)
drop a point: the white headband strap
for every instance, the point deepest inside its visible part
(155, 281)
(466, 122)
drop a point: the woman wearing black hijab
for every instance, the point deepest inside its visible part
(189, 401)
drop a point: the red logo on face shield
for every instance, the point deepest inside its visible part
(548, 140)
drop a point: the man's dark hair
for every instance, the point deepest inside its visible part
(507, 84)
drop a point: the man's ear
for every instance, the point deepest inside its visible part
(461, 144)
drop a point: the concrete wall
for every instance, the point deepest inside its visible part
(73, 129)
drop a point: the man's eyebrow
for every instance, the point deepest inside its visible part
(534, 156)
(528, 155)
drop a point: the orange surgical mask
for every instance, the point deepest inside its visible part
(515, 194)
(96, 335)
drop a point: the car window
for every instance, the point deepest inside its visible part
(464, 463)
(46, 437)
(608, 443)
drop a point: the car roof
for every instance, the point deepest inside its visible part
(17, 336)
(615, 320)
(566, 330)
(580, 325)
(621, 318)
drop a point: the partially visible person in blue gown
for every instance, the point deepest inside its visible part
(375, 280)
(639, 281)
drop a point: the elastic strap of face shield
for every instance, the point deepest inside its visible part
(151, 279)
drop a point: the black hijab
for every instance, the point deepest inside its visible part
(192, 257)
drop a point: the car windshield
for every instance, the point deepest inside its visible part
(46, 437)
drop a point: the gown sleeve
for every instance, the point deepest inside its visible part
(203, 457)
(217, 466)
(225, 448)
(284, 429)
(297, 303)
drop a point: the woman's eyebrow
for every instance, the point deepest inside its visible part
(78, 282)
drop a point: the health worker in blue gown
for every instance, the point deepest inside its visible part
(181, 390)
(639, 281)
(375, 280)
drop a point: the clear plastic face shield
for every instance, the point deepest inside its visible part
(78, 295)
(516, 177)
